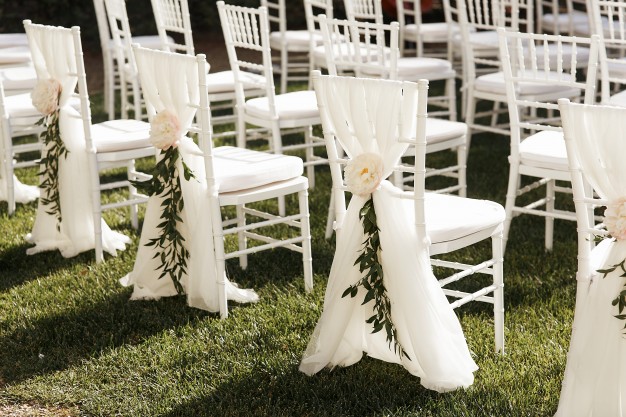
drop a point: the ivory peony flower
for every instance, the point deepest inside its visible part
(615, 219)
(165, 130)
(45, 96)
(364, 173)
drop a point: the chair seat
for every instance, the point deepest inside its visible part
(450, 217)
(13, 39)
(486, 40)
(224, 81)
(293, 105)
(439, 130)
(18, 78)
(240, 168)
(545, 149)
(296, 40)
(121, 135)
(494, 83)
(147, 41)
(563, 19)
(414, 68)
(430, 32)
(14, 55)
(618, 99)
(20, 105)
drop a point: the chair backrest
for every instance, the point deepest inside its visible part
(173, 22)
(247, 29)
(312, 10)
(564, 15)
(384, 117)
(121, 35)
(608, 21)
(57, 53)
(177, 83)
(364, 10)
(361, 47)
(103, 26)
(276, 15)
(540, 69)
(594, 139)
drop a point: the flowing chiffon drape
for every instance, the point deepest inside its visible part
(594, 384)
(366, 120)
(53, 57)
(169, 85)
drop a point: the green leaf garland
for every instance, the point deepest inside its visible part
(620, 300)
(170, 244)
(372, 281)
(49, 172)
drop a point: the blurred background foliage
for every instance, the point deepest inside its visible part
(204, 17)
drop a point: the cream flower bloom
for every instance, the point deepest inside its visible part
(364, 173)
(165, 130)
(45, 96)
(615, 218)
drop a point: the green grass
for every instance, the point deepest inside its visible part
(70, 336)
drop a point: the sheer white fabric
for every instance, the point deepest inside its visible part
(54, 57)
(169, 85)
(427, 327)
(24, 193)
(595, 377)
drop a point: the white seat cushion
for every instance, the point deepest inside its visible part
(294, 39)
(618, 99)
(224, 81)
(438, 130)
(487, 40)
(18, 78)
(120, 135)
(240, 168)
(414, 68)
(20, 105)
(147, 41)
(294, 105)
(449, 217)
(563, 19)
(430, 32)
(545, 149)
(494, 83)
(13, 39)
(14, 55)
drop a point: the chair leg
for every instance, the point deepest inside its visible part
(330, 220)
(220, 258)
(242, 241)
(470, 113)
(511, 195)
(307, 259)
(498, 294)
(310, 156)
(277, 148)
(461, 158)
(132, 193)
(284, 65)
(550, 196)
(451, 94)
(241, 129)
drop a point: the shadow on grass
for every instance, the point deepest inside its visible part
(18, 268)
(57, 342)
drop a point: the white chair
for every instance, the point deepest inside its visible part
(232, 177)
(594, 139)
(173, 22)
(130, 90)
(292, 45)
(361, 47)
(18, 119)
(608, 22)
(248, 28)
(364, 10)
(312, 10)
(109, 59)
(438, 223)
(563, 17)
(534, 82)
(78, 226)
(427, 37)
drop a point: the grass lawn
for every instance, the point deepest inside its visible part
(73, 343)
